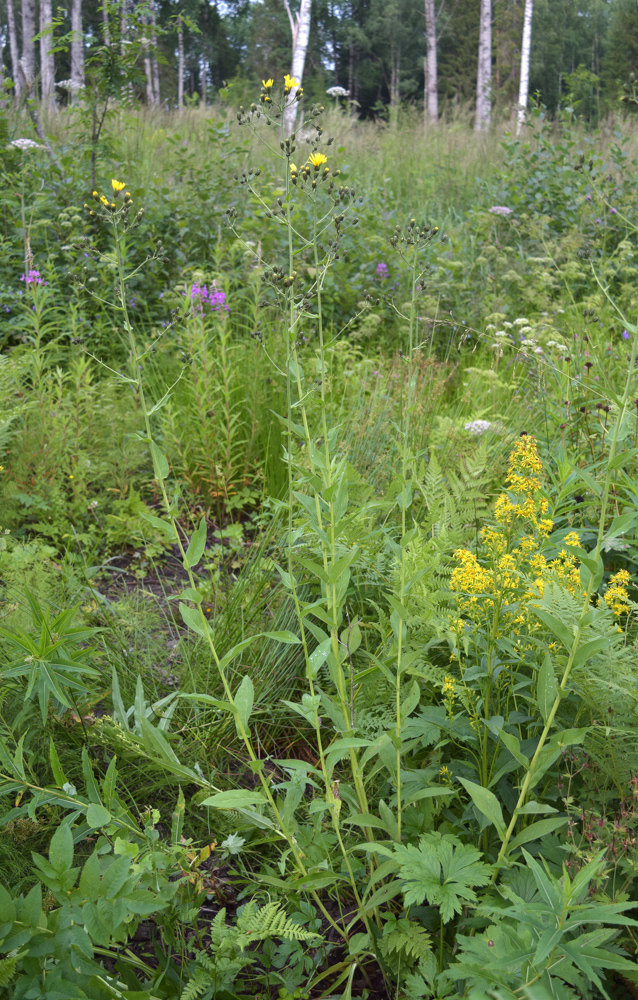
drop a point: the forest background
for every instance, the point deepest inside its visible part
(581, 50)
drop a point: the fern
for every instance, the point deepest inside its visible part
(7, 970)
(270, 921)
(405, 938)
(200, 980)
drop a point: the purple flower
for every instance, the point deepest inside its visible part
(382, 270)
(613, 211)
(33, 278)
(500, 210)
(201, 295)
(587, 197)
(625, 335)
(597, 221)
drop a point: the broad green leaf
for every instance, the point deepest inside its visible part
(159, 522)
(555, 626)
(235, 798)
(513, 745)
(193, 619)
(284, 636)
(588, 649)
(160, 461)
(196, 546)
(244, 700)
(547, 688)
(56, 767)
(61, 849)
(97, 815)
(486, 803)
(537, 830)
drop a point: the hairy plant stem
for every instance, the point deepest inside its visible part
(623, 408)
(257, 765)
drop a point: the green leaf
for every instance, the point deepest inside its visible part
(90, 878)
(547, 688)
(244, 700)
(284, 636)
(537, 830)
(513, 745)
(61, 849)
(555, 626)
(159, 522)
(160, 462)
(56, 767)
(97, 815)
(588, 649)
(486, 803)
(193, 619)
(196, 546)
(236, 798)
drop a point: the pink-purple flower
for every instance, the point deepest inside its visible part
(382, 270)
(500, 210)
(33, 278)
(202, 295)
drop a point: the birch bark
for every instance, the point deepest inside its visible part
(77, 44)
(431, 76)
(47, 62)
(28, 46)
(180, 63)
(523, 91)
(154, 63)
(13, 48)
(300, 27)
(484, 74)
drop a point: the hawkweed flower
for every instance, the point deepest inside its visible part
(267, 84)
(117, 186)
(289, 83)
(317, 160)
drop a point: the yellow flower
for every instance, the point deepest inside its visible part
(117, 186)
(267, 84)
(293, 169)
(104, 200)
(317, 159)
(289, 83)
(616, 596)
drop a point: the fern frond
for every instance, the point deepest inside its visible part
(270, 921)
(409, 939)
(7, 970)
(200, 981)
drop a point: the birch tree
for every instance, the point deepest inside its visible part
(28, 45)
(484, 74)
(180, 62)
(523, 90)
(77, 46)
(47, 61)
(13, 48)
(300, 28)
(154, 64)
(431, 75)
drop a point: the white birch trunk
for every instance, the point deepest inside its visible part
(431, 77)
(77, 44)
(484, 74)
(13, 48)
(106, 34)
(300, 26)
(28, 45)
(523, 90)
(154, 63)
(47, 62)
(180, 63)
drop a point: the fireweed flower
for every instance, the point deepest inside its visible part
(213, 299)
(33, 278)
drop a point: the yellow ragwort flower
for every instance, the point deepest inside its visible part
(267, 84)
(616, 596)
(317, 159)
(289, 83)
(117, 186)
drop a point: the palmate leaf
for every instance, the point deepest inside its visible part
(443, 871)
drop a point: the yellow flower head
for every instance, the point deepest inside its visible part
(267, 84)
(117, 186)
(104, 200)
(317, 159)
(293, 169)
(289, 83)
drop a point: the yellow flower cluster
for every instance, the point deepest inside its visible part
(616, 595)
(519, 572)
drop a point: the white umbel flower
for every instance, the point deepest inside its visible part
(26, 144)
(478, 426)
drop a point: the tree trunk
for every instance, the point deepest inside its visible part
(300, 27)
(13, 48)
(431, 82)
(484, 74)
(154, 63)
(28, 47)
(106, 35)
(180, 63)
(47, 62)
(395, 84)
(77, 45)
(523, 90)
